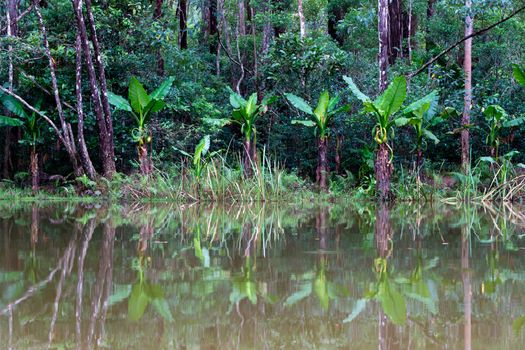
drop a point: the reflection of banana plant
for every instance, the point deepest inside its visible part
(245, 286)
(142, 105)
(318, 283)
(141, 294)
(320, 118)
(493, 279)
(391, 293)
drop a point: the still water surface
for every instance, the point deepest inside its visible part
(261, 277)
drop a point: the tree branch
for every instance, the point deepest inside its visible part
(450, 48)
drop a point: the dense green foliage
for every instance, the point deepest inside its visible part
(257, 52)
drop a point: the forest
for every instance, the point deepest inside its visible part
(249, 100)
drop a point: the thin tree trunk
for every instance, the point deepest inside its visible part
(85, 159)
(383, 25)
(157, 14)
(182, 12)
(105, 135)
(338, 145)
(410, 24)
(144, 161)
(242, 18)
(467, 289)
(302, 21)
(248, 161)
(467, 68)
(213, 29)
(395, 30)
(383, 171)
(430, 13)
(419, 163)
(109, 158)
(68, 141)
(34, 169)
(322, 164)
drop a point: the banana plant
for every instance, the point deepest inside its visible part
(200, 158)
(245, 114)
(422, 115)
(30, 124)
(142, 106)
(497, 119)
(320, 118)
(384, 109)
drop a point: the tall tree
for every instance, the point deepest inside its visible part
(102, 114)
(182, 14)
(302, 20)
(213, 28)
(157, 14)
(395, 30)
(467, 68)
(67, 133)
(383, 25)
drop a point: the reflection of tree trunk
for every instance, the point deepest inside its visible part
(321, 226)
(383, 171)
(382, 333)
(102, 286)
(35, 224)
(383, 229)
(467, 289)
(86, 238)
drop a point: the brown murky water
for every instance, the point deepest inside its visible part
(261, 277)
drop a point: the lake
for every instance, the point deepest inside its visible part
(272, 276)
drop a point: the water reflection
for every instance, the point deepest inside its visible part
(261, 276)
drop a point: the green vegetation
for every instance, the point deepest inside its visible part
(237, 77)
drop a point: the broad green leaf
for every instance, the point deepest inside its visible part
(6, 121)
(14, 106)
(355, 90)
(251, 105)
(322, 106)
(162, 91)
(488, 160)
(393, 303)
(138, 97)
(519, 74)
(495, 111)
(118, 101)
(402, 121)
(201, 149)
(332, 104)
(430, 135)
(307, 123)
(341, 109)
(303, 292)
(137, 302)
(514, 122)
(391, 100)
(423, 103)
(162, 307)
(237, 101)
(299, 103)
(358, 308)
(153, 107)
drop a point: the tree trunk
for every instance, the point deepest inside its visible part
(338, 144)
(182, 12)
(336, 13)
(105, 135)
(34, 170)
(383, 229)
(430, 13)
(85, 159)
(395, 29)
(467, 67)
(109, 159)
(383, 43)
(467, 288)
(302, 21)
(322, 164)
(69, 142)
(383, 171)
(156, 16)
(213, 28)
(144, 161)
(248, 160)
(419, 163)
(242, 18)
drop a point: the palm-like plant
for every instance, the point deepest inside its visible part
(497, 119)
(383, 108)
(245, 114)
(30, 124)
(142, 106)
(320, 118)
(422, 115)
